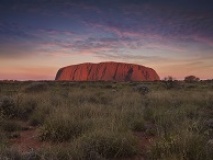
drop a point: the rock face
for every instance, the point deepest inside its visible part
(106, 71)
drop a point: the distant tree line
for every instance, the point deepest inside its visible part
(191, 79)
(171, 82)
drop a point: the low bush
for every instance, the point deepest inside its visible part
(14, 107)
(148, 113)
(26, 107)
(10, 126)
(141, 89)
(63, 127)
(191, 79)
(2, 139)
(138, 124)
(36, 87)
(188, 146)
(40, 113)
(10, 154)
(106, 144)
(37, 118)
(171, 83)
(7, 107)
(135, 121)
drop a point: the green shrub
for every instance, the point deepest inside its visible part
(17, 107)
(26, 108)
(149, 113)
(63, 127)
(135, 121)
(191, 79)
(37, 119)
(188, 146)
(40, 113)
(36, 87)
(7, 107)
(171, 83)
(10, 154)
(2, 139)
(99, 97)
(10, 126)
(138, 125)
(151, 131)
(108, 86)
(32, 155)
(106, 144)
(141, 89)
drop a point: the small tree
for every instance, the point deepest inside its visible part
(170, 82)
(169, 78)
(191, 79)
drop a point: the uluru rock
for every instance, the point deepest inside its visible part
(106, 71)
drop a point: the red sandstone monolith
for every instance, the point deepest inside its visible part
(106, 71)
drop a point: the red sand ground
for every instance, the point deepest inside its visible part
(29, 140)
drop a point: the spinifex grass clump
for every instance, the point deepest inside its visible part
(188, 146)
(25, 106)
(36, 87)
(63, 129)
(141, 89)
(63, 125)
(9, 125)
(134, 121)
(38, 117)
(106, 144)
(7, 106)
(17, 106)
(179, 123)
(10, 154)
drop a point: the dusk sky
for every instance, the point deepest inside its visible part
(37, 37)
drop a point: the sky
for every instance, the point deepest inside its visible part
(37, 37)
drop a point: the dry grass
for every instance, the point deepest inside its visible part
(98, 120)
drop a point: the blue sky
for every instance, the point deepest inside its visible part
(38, 37)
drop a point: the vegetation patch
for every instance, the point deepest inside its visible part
(36, 87)
(107, 144)
(107, 120)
